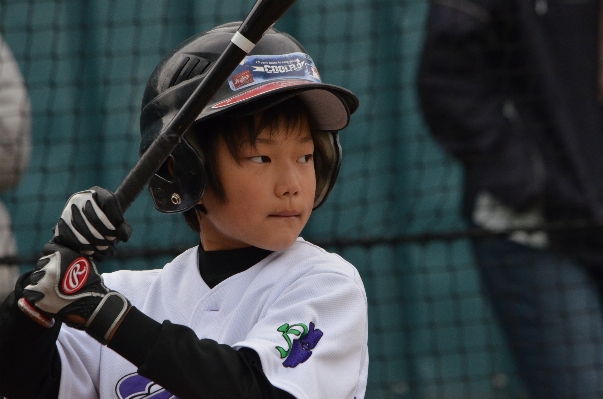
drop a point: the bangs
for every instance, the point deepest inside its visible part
(240, 131)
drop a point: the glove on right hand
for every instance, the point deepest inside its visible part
(92, 223)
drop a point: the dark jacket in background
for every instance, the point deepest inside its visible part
(509, 88)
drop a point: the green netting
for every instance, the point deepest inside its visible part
(85, 63)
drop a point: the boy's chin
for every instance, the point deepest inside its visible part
(281, 245)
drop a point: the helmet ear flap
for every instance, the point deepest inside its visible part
(179, 186)
(327, 164)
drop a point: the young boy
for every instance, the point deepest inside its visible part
(254, 311)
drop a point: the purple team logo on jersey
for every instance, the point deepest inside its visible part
(134, 386)
(300, 349)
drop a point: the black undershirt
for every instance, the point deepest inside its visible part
(217, 266)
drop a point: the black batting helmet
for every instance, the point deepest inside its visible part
(276, 69)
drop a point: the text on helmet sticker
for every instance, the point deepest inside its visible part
(256, 69)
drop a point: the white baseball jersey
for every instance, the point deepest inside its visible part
(303, 310)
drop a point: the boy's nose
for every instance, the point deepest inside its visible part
(287, 183)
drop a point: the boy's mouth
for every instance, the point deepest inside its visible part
(285, 214)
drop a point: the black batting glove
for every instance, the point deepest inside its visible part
(92, 223)
(67, 286)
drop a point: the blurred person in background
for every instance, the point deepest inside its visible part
(513, 89)
(15, 148)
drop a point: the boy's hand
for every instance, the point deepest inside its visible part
(67, 286)
(92, 223)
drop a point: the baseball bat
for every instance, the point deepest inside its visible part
(262, 16)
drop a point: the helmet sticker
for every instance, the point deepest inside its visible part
(255, 69)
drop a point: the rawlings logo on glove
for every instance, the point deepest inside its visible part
(76, 276)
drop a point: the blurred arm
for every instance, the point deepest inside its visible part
(460, 78)
(468, 93)
(15, 121)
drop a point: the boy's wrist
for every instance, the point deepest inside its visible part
(107, 317)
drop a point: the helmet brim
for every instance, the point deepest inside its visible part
(329, 106)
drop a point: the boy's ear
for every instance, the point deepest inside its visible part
(200, 209)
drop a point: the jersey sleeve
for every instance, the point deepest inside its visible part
(29, 360)
(80, 355)
(312, 340)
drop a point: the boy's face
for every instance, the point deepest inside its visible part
(269, 192)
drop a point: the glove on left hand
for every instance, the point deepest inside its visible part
(92, 223)
(68, 287)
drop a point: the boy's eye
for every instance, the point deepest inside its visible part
(305, 158)
(260, 159)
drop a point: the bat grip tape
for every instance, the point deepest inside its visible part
(242, 42)
(106, 316)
